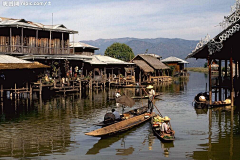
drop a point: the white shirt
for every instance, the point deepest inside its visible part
(117, 95)
(152, 92)
(117, 115)
(164, 127)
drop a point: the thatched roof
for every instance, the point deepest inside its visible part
(151, 61)
(143, 65)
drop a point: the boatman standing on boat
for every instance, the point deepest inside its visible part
(151, 95)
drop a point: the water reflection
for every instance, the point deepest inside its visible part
(201, 110)
(54, 127)
(105, 142)
(28, 132)
(166, 148)
(223, 140)
(46, 125)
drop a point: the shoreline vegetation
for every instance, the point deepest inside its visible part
(198, 69)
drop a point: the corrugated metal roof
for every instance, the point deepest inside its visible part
(82, 45)
(95, 59)
(10, 59)
(143, 65)
(174, 59)
(29, 24)
(110, 60)
(99, 59)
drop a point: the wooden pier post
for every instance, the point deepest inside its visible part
(210, 80)
(236, 77)
(231, 77)
(1, 90)
(225, 77)
(30, 92)
(40, 87)
(80, 85)
(140, 78)
(54, 83)
(134, 74)
(15, 90)
(220, 80)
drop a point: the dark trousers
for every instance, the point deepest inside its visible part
(150, 105)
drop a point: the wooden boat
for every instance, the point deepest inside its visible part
(131, 113)
(156, 122)
(121, 126)
(201, 104)
(214, 105)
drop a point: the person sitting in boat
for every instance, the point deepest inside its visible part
(165, 127)
(150, 97)
(116, 114)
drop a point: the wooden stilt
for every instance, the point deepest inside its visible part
(80, 85)
(236, 70)
(27, 89)
(30, 92)
(15, 90)
(1, 90)
(40, 87)
(231, 77)
(140, 77)
(220, 80)
(210, 81)
(225, 77)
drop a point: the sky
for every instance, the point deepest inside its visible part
(95, 19)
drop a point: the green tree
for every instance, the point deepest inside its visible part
(120, 51)
(205, 65)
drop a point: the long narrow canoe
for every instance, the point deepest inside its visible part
(164, 137)
(121, 126)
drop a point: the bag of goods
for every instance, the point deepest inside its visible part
(227, 101)
(202, 99)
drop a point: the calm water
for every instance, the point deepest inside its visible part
(54, 128)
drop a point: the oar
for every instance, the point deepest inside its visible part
(153, 103)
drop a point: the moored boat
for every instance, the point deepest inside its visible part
(156, 124)
(201, 100)
(121, 125)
